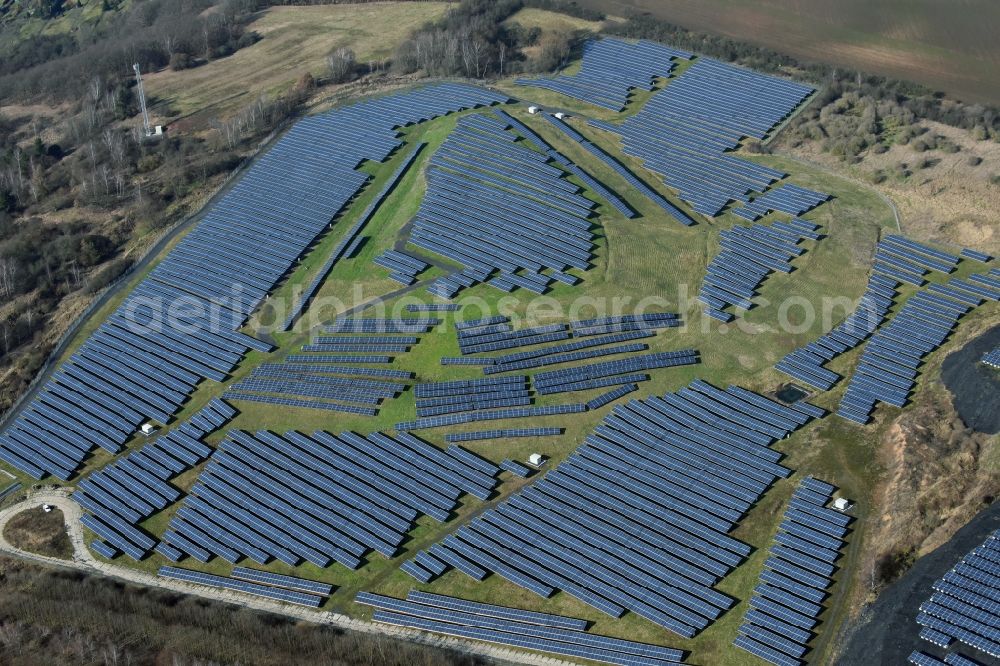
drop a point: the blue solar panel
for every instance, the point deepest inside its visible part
(264, 495)
(220, 267)
(502, 434)
(660, 497)
(211, 580)
(792, 585)
(610, 69)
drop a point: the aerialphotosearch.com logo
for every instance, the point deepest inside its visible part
(185, 313)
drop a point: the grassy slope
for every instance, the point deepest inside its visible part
(81, 14)
(294, 40)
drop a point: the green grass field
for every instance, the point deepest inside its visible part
(650, 259)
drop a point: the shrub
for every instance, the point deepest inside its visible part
(341, 65)
(108, 274)
(893, 565)
(94, 249)
(179, 61)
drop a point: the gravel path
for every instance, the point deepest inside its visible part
(83, 560)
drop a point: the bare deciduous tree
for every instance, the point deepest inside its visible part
(341, 64)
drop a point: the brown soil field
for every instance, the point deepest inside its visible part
(947, 45)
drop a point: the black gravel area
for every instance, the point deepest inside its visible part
(974, 386)
(888, 632)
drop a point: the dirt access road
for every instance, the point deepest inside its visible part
(84, 561)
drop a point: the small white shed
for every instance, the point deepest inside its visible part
(533, 109)
(842, 504)
(148, 429)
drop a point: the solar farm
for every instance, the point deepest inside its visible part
(960, 612)
(549, 420)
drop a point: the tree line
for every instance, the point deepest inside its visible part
(153, 33)
(67, 617)
(476, 40)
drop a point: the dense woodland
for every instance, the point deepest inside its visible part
(64, 617)
(75, 192)
(473, 40)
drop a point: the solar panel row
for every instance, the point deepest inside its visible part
(502, 434)
(622, 171)
(747, 257)
(540, 631)
(180, 325)
(403, 267)
(557, 353)
(964, 605)
(433, 307)
(637, 519)
(891, 359)
(555, 381)
(515, 468)
(685, 131)
(300, 380)
(785, 198)
(319, 498)
(806, 363)
(211, 580)
(531, 137)
(132, 488)
(495, 206)
(352, 237)
(789, 599)
(468, 386)
(405, 325)
(490, 415)
(281, 580)
(610, 70)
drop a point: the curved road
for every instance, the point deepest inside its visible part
(851, 179)
(84, 561)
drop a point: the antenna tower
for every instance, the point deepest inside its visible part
(142, 101)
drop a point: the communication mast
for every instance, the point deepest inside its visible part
(142, 101)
